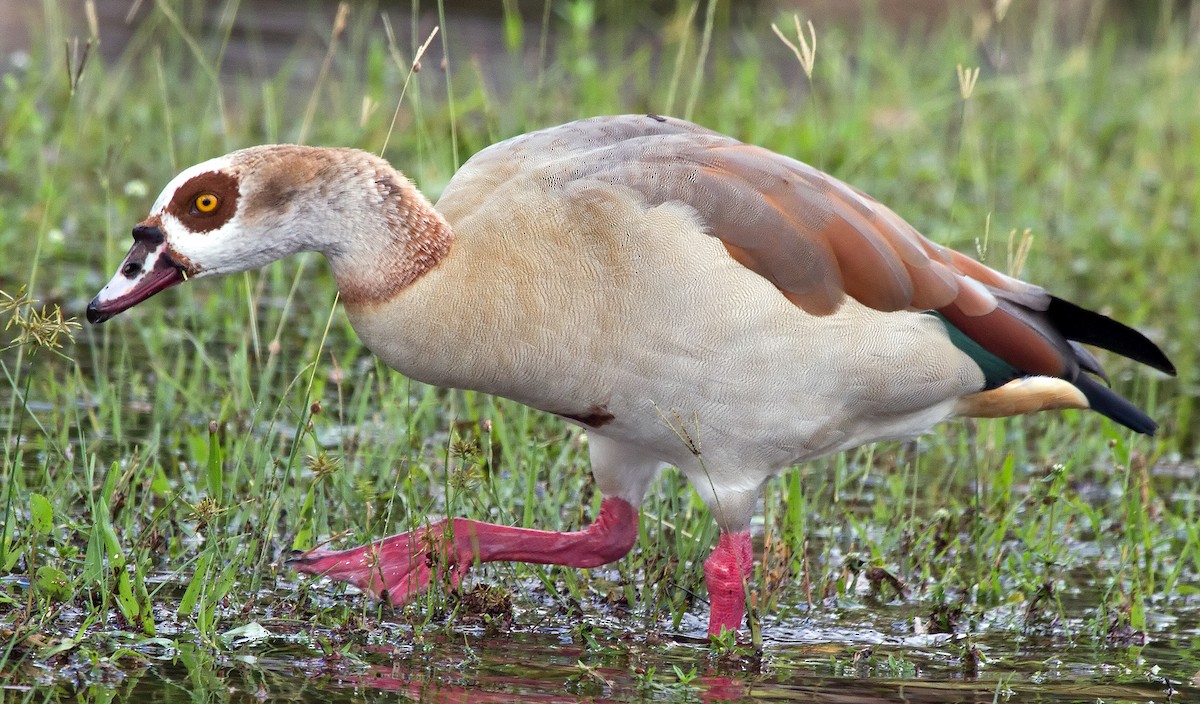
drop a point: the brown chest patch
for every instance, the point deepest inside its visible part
(412, 240)
(206, 202)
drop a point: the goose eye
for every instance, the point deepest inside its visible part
(205, 203)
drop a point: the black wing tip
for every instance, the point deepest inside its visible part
(1087, 326)
(1107, 402)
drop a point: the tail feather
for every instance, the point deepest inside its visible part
(1020, 339)
(1089, 327)
(1108, 402)
(1087, 361)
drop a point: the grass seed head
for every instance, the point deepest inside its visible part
(322, 465)
(41, 328)
(206, 510)
(466, 477)
(466, 450)
(806, 53)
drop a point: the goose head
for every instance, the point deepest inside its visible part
(251, 207)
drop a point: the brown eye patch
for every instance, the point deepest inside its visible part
(206, 202)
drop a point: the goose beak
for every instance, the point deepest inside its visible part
(148, 268)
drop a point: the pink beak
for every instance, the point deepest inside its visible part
(148, 268)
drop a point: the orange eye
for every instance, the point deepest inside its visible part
(206, 203)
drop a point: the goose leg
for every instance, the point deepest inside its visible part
(400, 567)
(726, 572)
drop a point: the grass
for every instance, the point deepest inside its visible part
(157, 469)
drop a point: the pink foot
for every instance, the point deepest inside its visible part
(396, 568)
(725, 573)
(400, 567)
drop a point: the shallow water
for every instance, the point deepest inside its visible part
(551, 666)
(859, 652)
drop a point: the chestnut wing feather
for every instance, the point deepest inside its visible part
(814, 237)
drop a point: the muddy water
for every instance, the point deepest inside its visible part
(858, 654)
(827, 663)
(478, 669)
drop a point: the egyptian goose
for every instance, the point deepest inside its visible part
(687, 299)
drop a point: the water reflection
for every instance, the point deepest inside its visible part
(550, 665)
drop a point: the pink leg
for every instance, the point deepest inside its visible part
(399, 567)
(726, 572)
